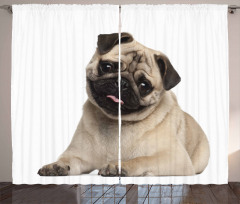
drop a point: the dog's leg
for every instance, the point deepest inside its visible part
(80, 156)
(74, 161)
(58, 168)
(163, 164)
(65, 165)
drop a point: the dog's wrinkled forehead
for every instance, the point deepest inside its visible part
(137, 58)
(133, 54)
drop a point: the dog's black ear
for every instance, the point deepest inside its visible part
(107, 41)
(169, 75)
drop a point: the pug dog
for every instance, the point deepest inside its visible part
(157, 137)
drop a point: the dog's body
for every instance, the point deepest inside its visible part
(157, 138)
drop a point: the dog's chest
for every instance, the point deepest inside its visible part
(109, 138)
(131, 138)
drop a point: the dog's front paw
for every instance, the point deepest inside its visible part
(111, 170)
(54, 169)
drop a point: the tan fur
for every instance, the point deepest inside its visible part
(158, 141)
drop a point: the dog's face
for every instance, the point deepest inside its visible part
(145, 75)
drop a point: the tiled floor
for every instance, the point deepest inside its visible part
(73, 194)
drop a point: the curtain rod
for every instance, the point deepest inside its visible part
(231, 8)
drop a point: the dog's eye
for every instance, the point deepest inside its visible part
(144, 88)
(106, 67)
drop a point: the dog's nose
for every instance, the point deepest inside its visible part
(124, 84)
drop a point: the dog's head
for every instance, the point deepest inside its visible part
(145, 75)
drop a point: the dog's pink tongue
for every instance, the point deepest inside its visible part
(115, 99)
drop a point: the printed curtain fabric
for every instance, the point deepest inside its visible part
(157, 113)
(195, 40)
(51, 48)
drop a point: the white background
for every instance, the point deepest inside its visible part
(51, 48)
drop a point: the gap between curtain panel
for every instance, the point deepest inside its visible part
(119, 94)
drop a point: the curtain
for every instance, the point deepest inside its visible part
(195, 39)
(51, 47)
(174, 59)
